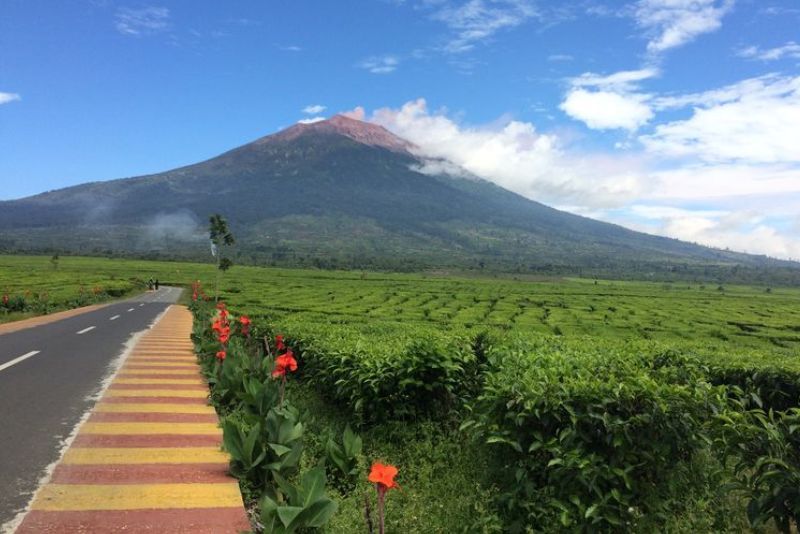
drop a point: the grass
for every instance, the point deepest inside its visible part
(443, 479)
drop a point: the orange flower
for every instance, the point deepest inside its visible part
(284, 363)
(383, 476)
(279, 346)
(221, 355)
(245, 320)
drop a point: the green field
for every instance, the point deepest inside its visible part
(408, 359)
(729, 318)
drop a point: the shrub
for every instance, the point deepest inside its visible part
(766, 448)
(588, 435)
(390, 376)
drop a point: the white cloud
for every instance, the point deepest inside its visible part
(292, 48)
(754, 121)
(625, 80)
(672, 23)
(311, 120)
(789, 50)
(743, 204)
(380, 64)
(314, 109)
(604, 110)
(714, 181)
(516, 156)
(560, 57)
(767, 85)
(671, 212)
(475, 21)
(745, 230)
(5, 98)
(610, 102)
(130, 21)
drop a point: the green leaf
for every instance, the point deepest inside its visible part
(287, 514)
(318, 513)
(250, 442)
(231, 439)
(352, 442)
(279, 449)
(313, 485)
(500, 439)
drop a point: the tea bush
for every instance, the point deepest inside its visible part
(590, 435)
(392, 374)
(765, 446)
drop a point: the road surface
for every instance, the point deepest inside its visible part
(49, 375)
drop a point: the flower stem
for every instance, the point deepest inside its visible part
(380, 511)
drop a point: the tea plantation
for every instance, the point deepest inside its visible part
(508, 405)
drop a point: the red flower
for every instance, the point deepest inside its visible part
(279, 346)
(245, 320)
(284, 363)
(216, 326)
(224, 337)
(383, 476)
(220, 305)
(194, 296)
(221, 355)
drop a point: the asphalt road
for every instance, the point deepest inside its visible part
(48, 376)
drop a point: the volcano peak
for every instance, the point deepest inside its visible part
(360, 131)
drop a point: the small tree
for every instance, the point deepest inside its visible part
(54, 261)
(220, 236)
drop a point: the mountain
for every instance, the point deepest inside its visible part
(344, 193)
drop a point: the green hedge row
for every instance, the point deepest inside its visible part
(388, 373)
(590, 436)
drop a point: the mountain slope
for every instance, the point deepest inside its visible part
(338, 192)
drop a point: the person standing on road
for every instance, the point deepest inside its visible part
(156, 284)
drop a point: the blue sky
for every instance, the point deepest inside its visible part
(676, 117)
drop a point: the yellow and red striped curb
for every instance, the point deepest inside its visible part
(148, 459)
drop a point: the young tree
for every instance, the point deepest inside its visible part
(220, 236)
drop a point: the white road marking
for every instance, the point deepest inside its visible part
(130, 309)
(114, 318)
(17, 360)
(85, 330)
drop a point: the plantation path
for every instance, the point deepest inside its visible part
(148, 457)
